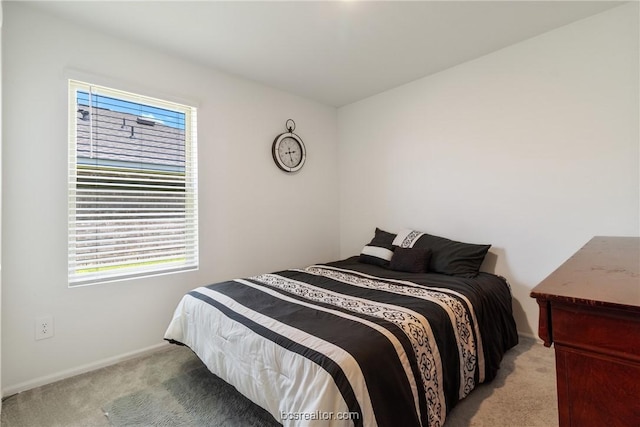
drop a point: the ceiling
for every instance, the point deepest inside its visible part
(335, 52)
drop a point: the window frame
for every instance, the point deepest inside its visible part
(77, 276)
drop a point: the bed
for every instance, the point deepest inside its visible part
(361, 341)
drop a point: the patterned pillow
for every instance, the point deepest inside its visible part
(406, 238)
(380, 250)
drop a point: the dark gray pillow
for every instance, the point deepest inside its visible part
(380, 250)
(410, 260)
(447, 256)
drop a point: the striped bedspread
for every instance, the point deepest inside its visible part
(348, 343)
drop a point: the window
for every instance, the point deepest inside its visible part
(133, 195)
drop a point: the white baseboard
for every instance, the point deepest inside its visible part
(47, 379)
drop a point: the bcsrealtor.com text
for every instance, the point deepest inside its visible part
(318, 415)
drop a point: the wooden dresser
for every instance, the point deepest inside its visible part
(590, 311)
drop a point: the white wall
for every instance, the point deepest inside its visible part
(253, 217)
(533, 148)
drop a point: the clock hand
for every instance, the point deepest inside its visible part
(290, 154)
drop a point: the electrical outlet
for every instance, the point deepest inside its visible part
(44, 327)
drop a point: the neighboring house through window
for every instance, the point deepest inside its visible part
(133, 194)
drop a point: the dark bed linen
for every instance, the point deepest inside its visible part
(489, 294)
(348, 304)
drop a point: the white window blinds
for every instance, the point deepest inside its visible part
(133, 193)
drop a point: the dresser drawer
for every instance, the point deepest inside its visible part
(595, 391)
(600, 330)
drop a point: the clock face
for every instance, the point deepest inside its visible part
(289, 152)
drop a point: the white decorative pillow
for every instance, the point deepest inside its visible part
(406, 238)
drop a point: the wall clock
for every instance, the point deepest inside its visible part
(288, 149)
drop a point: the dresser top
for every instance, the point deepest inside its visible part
(604, 272)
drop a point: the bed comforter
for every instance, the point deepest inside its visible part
(348, 343)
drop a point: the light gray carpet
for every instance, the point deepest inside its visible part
(194, 398)
(172, 388)
(523, 394)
